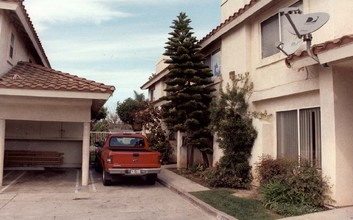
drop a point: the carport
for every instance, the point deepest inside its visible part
(47, 110)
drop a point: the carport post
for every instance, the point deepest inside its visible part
(2, 148)
(85, 153)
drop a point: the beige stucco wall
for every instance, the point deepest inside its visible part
(45, 109)
(20, 51)
(159, 90)
(159, 85)
(343, 124)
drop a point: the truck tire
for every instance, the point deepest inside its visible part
(151, 179)
(106, 179)
(97, 165)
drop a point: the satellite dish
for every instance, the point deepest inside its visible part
(301, 26)
(290, 47)
(308, 23)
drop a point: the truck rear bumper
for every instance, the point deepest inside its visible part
(134, 171)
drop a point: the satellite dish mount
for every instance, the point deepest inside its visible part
(301, 25)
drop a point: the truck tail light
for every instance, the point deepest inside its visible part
(109, 159)
(159, 158)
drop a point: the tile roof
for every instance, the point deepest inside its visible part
(319, 48)
(230, 19)
(35, 77)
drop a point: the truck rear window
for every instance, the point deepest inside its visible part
(126, 142)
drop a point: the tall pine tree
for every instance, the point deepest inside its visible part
(188, 88)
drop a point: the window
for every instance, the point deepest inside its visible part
(287, 134)
(270, 32)
(126, 142)
(299, 135)
(214, 62)
(269, 36)
(152, 98)
(12, 45)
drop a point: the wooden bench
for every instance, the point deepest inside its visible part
(24, 158)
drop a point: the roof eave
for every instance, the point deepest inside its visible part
(155, 79)
(325, 57)
(54, 94)
(23, 17)
(225, 27)
(8, 5)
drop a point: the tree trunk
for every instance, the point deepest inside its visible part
(190, 156)
(206, 163)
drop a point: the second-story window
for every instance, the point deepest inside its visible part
(270, 32)
(269, 36)
(214, 62)
(12, 45)
(152, 95)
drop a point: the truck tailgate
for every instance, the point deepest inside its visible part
(129, 159)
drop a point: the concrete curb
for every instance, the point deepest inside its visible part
(204, 206)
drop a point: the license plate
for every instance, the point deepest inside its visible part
(135, 172)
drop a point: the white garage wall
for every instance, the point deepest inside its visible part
(63, 137)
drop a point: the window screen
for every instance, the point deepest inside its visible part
(299, 138)
(269, 36)
(287, 135)
(270, 32)
(310, 136)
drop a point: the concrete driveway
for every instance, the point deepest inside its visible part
(57, 194)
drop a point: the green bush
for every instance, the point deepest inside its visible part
(159, 143)
(290, 189)
(232, 122)
(220, 176)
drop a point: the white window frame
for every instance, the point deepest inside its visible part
(318, 158)
(284, 35)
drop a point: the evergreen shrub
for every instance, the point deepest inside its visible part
(290, 189)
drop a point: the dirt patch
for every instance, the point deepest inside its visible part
(252, 193)
(190, 176)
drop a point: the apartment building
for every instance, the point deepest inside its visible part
(309, 98)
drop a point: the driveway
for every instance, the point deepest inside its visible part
(57, 194)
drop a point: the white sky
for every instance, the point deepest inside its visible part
(116, 42)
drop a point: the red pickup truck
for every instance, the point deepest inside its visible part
(127, 154)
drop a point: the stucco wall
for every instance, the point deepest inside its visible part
(72, 149)
(343, 91)
(45, 109)
(46, 124)
(63, 137)
(235, 53)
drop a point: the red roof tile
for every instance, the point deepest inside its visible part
(32, 76)
(319, 48)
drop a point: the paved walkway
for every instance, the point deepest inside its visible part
(184, 186)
